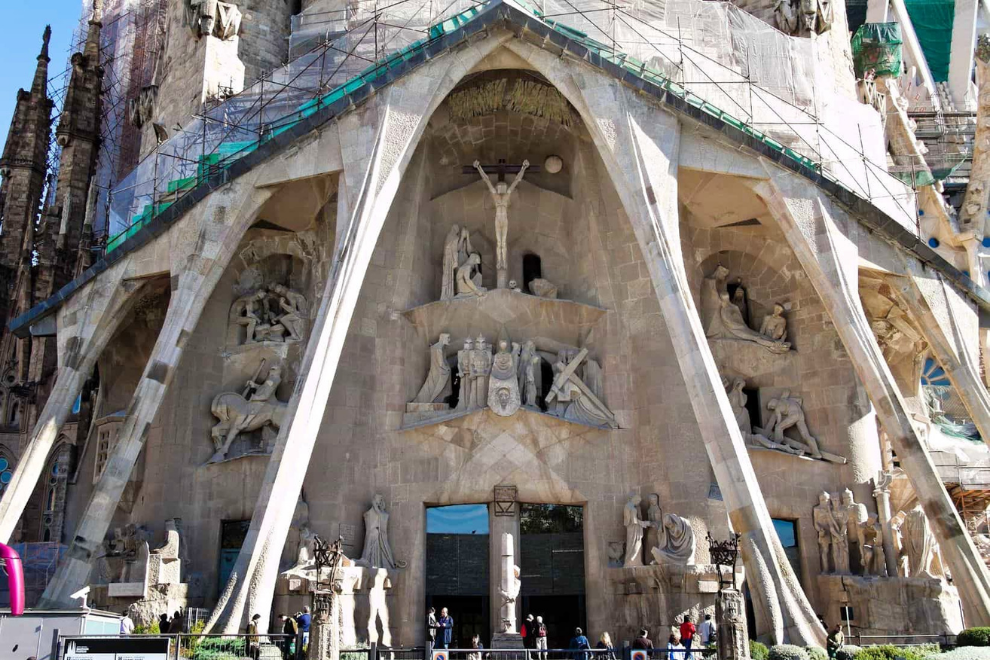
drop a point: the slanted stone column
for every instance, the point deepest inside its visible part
(829, 257)
(85, 325)
(937, 307)
(213, 236)
(377, 143)
(639, 145)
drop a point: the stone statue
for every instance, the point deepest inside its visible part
(681, 544)
(826, 526)
(734, 327)
(247, 313)
(164, 564)
(377, 551)
(465, 283)
(509, 585)
(594, 378)
(530, 391)
(739, 300)
(786, 15)
(377, 609)
(855, 516)
(464, 249)
(774, 325)
(634, 532)
(723, 317)
(306, 554)
(481, 368)
(451, 263)
(503, 385)
(816, 17)
(212, 18)
(711, 291)
(574, 400)
(840, 541)
(753, 436)
(238, 413)
(135, 554)
(528, 351)
(656, 533)
(293, 306)
(788, 413)
(465, 396)
(874, 559)
(501, 194)
(437, 386)
(919, 544)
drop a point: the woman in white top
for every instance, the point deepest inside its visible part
(674, 649)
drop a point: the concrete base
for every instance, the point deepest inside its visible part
(160, 599)
(893, 606)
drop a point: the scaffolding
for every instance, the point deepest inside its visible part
(714, 56)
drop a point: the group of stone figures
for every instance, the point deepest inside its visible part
(127, 558)
(255, 407)
(510, 378)
(274, 313)
(377, 552)
(668, 538)
(724, 315)
(839, 523)
(802, 18)
(212, 18)
(787, 413)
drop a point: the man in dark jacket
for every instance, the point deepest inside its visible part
(445, 624)
(643, 641)
(580, 643)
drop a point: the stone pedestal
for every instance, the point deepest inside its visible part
(324, 633)
(508, 640)
(730, 619)
(502, 278)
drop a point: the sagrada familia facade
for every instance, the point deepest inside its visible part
(622, 281)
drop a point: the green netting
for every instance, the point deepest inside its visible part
(932, 21)
(877, 47)
(915, 179)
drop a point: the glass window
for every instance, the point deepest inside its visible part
(787, 533)
(457, 519)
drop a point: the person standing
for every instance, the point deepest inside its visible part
(254, 645)
(674, 649)
(527, 633)
(289, 630)
(446, 625)
(707, 631)
(835, 641)
(304, 621)
(163, 623)
(126, 625)
(476, 644)
(643, 642)
(541, 638)
(688, 630)
(580, 644)
(605, 643)
(431, 631)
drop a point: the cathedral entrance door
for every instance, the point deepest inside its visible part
(457, 558)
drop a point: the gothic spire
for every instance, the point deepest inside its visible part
(92, 49)
(40, 84)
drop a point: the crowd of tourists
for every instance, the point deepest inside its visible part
(440, 635)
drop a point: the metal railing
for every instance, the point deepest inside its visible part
(214, 647)
(945, 640)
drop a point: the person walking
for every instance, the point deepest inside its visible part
(605, 644)
(254, 643)
(289, 630)
(580, 644)
(707, 631)
(446, 625)
(675, 651)
(304, 621)
(541, 639)
(643, 642)
(835, 641)
(688, 630)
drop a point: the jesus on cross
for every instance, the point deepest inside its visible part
(500, 195)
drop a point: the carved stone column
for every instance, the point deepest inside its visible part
(881, 491)
(731, 630)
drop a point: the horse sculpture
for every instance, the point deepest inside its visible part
(238, 415)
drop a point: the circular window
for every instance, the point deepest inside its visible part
(6, 473)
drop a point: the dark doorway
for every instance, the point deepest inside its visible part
(753, 406)
(532, 269)
(546, 383)
(232, 533)
(457, 569)
(552, 568)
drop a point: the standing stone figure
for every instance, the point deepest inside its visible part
(465, 398)
(634, 532)
(874, 559)
(840, 542)
(787, 413)
(774, 325)
(855, 516)
(450, 262)
(437, 386)
(500, 195)
(827, 528)
(481, 368)
(656, 536)
(919, 544)
(711, 292)
(503, 385)
(528, 351)
(532, 368)
(377, 551)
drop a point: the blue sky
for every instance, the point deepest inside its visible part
(20, 33)
(457, 519)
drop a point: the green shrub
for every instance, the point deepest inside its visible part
(758, 651)
(816, 653)
(147, 630)
(963, 653)
(974, 637)
(220, 648)
(891, 652)
(787, 652)
(847, 652)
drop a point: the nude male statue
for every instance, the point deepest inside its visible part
(500, 195)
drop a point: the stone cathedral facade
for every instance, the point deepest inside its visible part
(608, 286)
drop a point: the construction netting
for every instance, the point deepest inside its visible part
(39, 561)
(932, 21)
(713, 55)
(876, 48)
